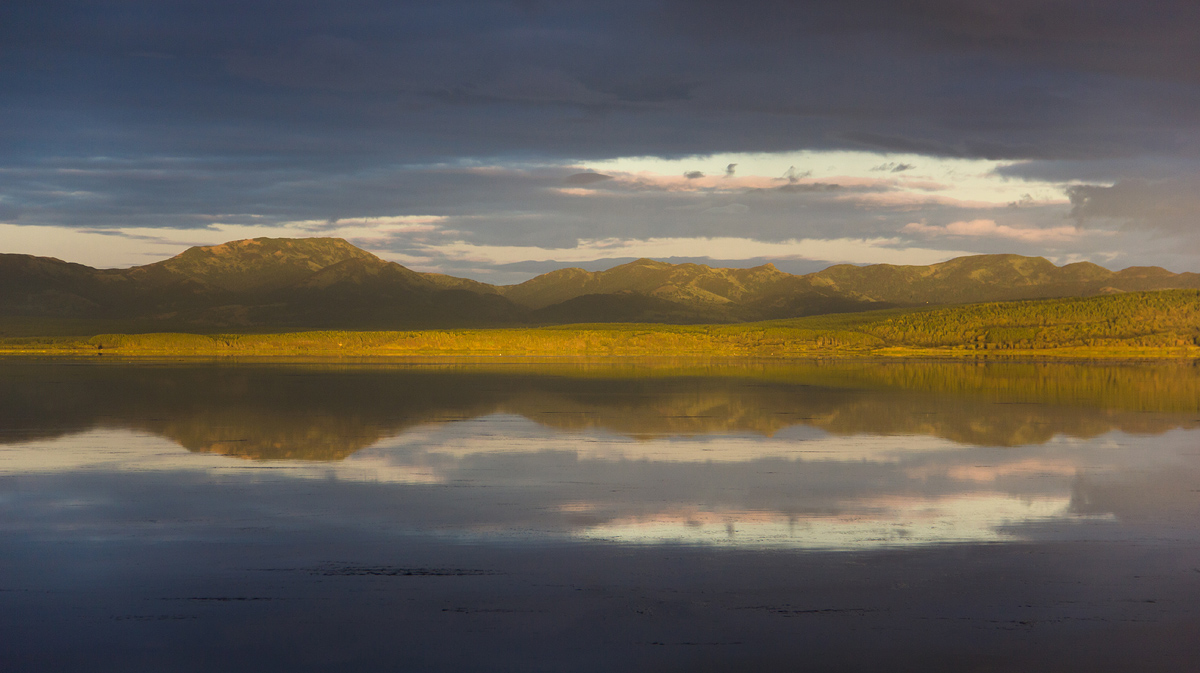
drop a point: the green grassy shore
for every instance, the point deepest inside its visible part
(1163, 324)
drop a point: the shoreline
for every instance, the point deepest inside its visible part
(642, 342)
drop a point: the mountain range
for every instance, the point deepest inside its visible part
(312, 283)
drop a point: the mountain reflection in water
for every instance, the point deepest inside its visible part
(329, 413)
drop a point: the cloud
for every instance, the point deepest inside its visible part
(1170, 206)
(808, 187)
(688, 181)
(577, 191)
(128, 246)
(894, 167)
(368, 82)
(377, 228)
(584, 179)
(729, 209)
(989, 228)
(793, 176)
(869, 251)
(1061, 33)
(405, 213)
(798, 182)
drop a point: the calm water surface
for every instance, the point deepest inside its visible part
(813, 516)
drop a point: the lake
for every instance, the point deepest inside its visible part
(835, 515)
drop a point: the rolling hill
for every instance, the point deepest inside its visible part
(290, 284)
(765, 292)
(281, 283)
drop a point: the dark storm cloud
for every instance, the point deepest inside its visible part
(1169, 206)
(361, 66)
(167, 193)
(1154, 39)
(142, 112)
(8, 212)
(1145, 167)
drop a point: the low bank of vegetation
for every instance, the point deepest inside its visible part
(1144, 324)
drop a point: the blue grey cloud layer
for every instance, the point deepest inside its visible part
(178, 114)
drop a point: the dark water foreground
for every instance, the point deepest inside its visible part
(839, 516)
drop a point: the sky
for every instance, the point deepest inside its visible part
(501, 139)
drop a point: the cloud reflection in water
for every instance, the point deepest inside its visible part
(824, 457)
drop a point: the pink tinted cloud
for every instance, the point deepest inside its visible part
(913, 200)
(680, 183)
(989, 228)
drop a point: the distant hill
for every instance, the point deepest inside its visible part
(286, 284)
(682, 283)
(258, 283)
(764, 292)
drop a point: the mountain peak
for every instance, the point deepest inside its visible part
(336, 247)
(644, 261)
(261, 263)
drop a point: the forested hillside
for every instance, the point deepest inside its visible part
(1142, 319)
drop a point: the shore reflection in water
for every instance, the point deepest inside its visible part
(729, 466)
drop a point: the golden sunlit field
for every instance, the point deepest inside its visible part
(1144, 324)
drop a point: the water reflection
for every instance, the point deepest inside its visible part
(1007, 517)
(327, 413)
(820, 455)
